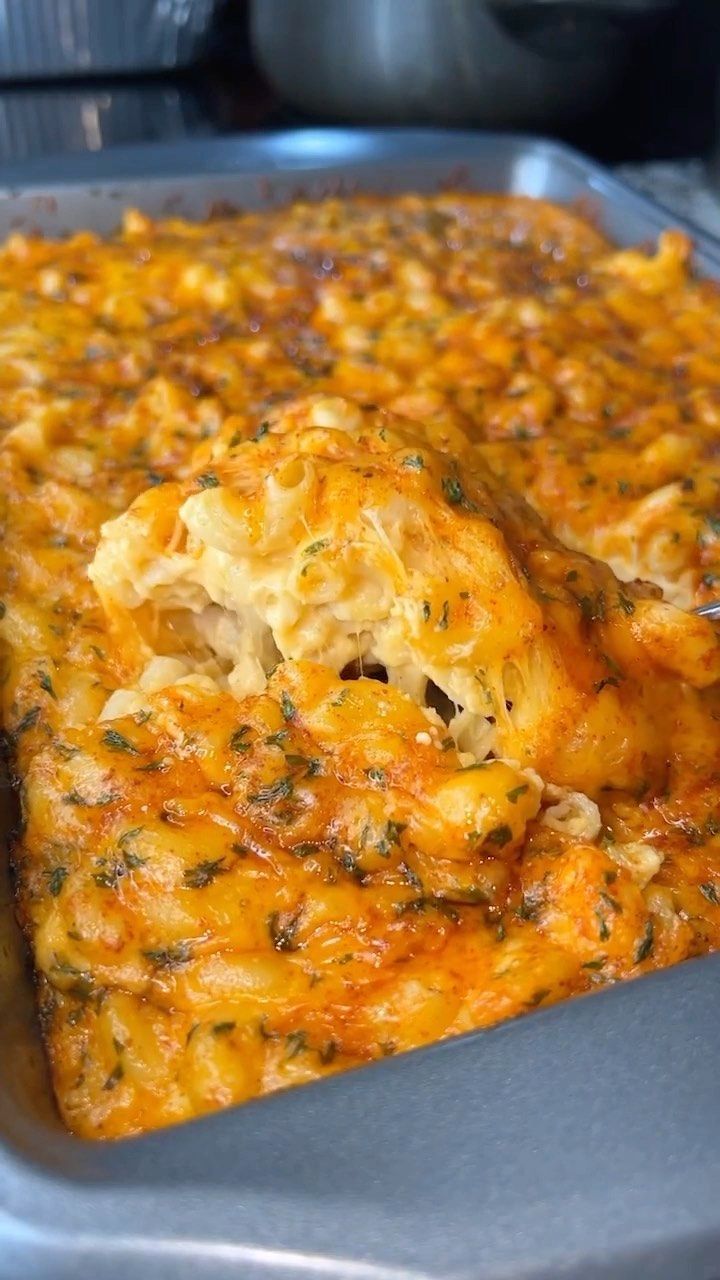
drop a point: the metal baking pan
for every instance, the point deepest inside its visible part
(578, 1143)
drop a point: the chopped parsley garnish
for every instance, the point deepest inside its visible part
(390, 836)
(711, 892)
(378, 776)
(56, 879)
(608, 680)
(262, 430)
(625, 603)
(426, 610)
(296, 1042)
(208, 480)
(128, 835)
(500, 836)
(109, 876)
(455, 494)
(115, 741)
(306, 849)
(603, 930)
(99, 802)
(414, 462)
(592, 608)
(287, 706)
(516, 792)
(28, 721)
(311, 764)
(115, 1076)
(646, 943)
(223, 1028)
(313, 547)
(171, 957)
(283, 930)
(237, 739)
(443, 619)
(280, 789)
(203, 873)
(46, 683)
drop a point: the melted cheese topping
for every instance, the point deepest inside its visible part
(330, 744)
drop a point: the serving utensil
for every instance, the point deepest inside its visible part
(710, 610)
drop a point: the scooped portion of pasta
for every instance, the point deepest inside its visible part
(339, 535)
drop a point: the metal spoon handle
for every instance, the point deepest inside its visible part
(709, 610)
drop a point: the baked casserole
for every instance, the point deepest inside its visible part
(350, 678)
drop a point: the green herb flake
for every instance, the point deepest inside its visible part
(56, 879)
(414, 462)
(82, 802)
(287, 706)
(296, 1042)
(203, 873)
(115, 1077)
(537, 997)
(603, 930)
(280, 789)
(28, 721)
(127, 836)
(46, 683)
(444, 616)
(115, 741)
(283, 930)
(426, 610)
(306, 849)
(237, 739)
(625, 603)
(311, 764)
(208, 480)
(516, 792)
(592, 608)
(171, 957)
(711, 892)
(453, 491)
(327, 1053)
(646, 943)
(223, 1028)
(320, 545)
(109, 877)
(154, 766)
(262, 430)
(599, 685)
(377, 776)
(500, 836)
(391, 836)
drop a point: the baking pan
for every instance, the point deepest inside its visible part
(577, 1143)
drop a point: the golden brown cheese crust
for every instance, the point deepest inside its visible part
(230, 894)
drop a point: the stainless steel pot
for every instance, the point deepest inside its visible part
(496, 62)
